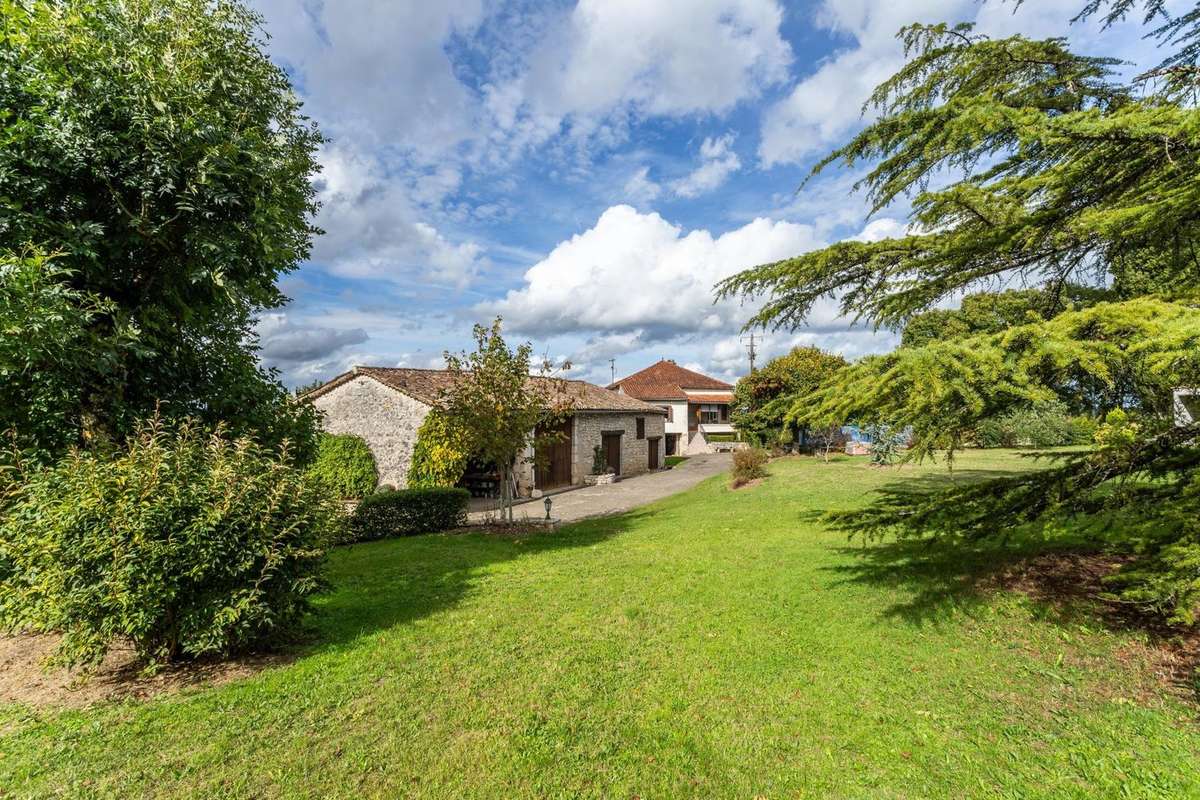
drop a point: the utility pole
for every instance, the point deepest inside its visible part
(612, 371)
(752, 351)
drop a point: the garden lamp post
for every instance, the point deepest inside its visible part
(547, 502)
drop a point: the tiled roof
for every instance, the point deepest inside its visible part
(428, 385)
(666, 380)
(711, 398)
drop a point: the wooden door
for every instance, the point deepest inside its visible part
(553, 468)
(612, 450)
(653, 444)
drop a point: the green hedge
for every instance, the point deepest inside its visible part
(408, 512)
(345, 465)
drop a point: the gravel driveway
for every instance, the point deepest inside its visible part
(595, 501)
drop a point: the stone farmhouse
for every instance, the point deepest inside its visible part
(697, 406)
(386, 406)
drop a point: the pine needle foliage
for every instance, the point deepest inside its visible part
(1028, 164)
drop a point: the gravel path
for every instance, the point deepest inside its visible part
(595, 501)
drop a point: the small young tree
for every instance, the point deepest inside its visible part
(500, 408)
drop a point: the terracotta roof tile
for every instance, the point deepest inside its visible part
(427, 385)
(710, 398)
(666, 380)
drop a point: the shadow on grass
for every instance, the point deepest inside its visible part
(1063, 577)
(380, 584)
(946, 577)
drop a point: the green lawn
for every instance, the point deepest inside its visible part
(717, 644)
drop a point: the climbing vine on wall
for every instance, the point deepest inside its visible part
(440, 454)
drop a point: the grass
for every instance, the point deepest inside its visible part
(672, 461)
(716, 644)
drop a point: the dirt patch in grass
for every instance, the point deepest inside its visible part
(739, 485)
(1063, 580)
(24, 679)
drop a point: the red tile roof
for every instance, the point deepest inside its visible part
(428, 385)
(666, 380)
(710, 398)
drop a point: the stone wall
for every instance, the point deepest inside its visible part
(386, 419)
(635, 452)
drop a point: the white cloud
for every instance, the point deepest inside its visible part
(640, 188)
(637, 272)
(717, 162)
(377, 70)
(607, 59)
(825, 106)
(374, 229)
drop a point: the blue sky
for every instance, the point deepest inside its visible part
(586, 170)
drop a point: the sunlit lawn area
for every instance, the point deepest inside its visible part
(717, 644)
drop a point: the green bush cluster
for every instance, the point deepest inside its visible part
(345, 465)
(1047, 425)
(748, 464)
(185, 542)
(440, 455)
(409, 511)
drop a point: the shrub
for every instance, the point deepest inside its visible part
(1082, 430)
(1045, 425)
(409, 511)
(748, 464)
(440, 454)
(345, 465)
(886, 444)
(184, 542)
(599, 461)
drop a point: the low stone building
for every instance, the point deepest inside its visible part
(386, 406)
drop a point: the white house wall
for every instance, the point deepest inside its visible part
(386, 419)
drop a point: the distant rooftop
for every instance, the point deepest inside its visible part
(666, 380)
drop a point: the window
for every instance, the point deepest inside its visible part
(670, 412)
(710, 414)
(641, 427)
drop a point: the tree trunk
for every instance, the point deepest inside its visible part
(505, 493)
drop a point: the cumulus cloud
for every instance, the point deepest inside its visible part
(633, 271)
(717, 162)
(609, 58)
(825, 106)
(378, 70)
(373, 228)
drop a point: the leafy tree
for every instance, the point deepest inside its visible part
(1067, 175)
(761, 399)
(153, 146)
(50, 346)
(498, 406)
